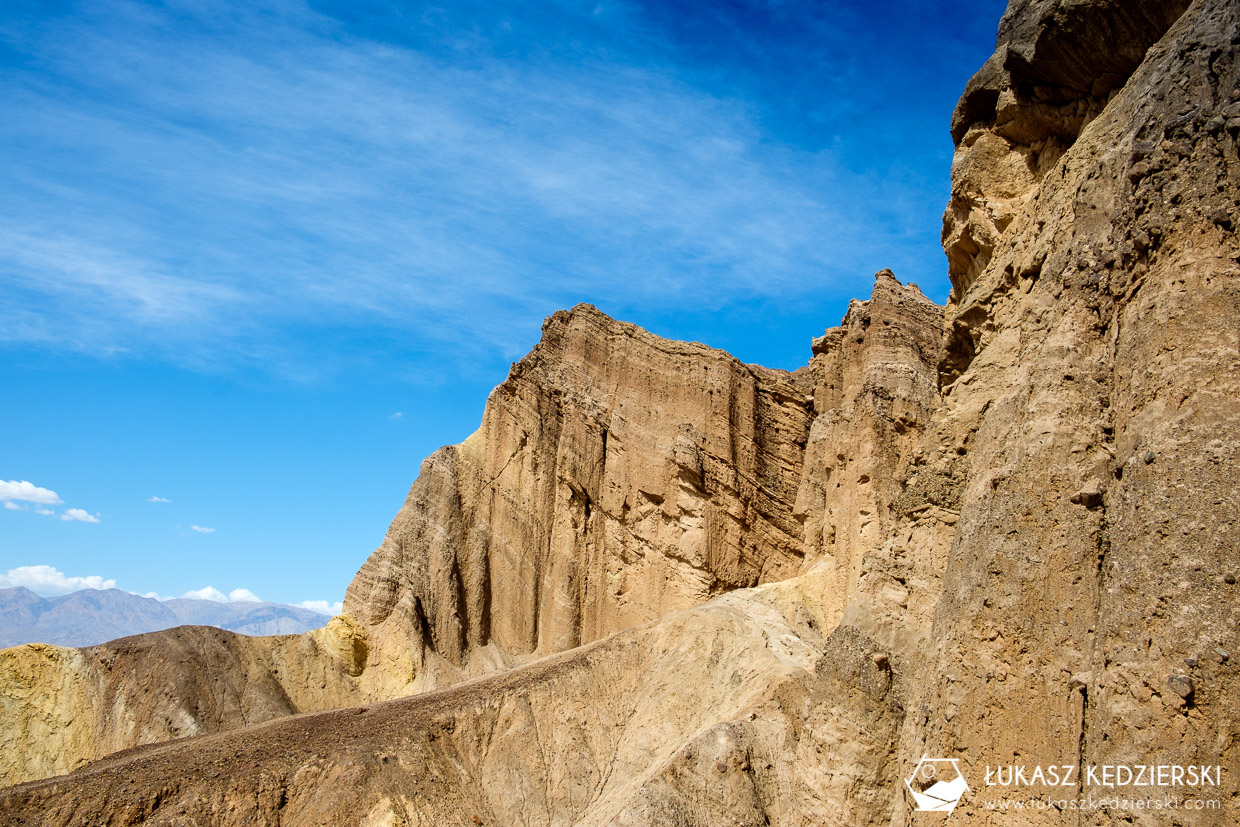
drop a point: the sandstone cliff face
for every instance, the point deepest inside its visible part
(875, 390)
(1093, 338)
(616, 477)
(1011, 544)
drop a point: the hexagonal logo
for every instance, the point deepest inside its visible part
(937, 784)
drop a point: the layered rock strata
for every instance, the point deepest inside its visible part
(1016, 549)
(616, 477)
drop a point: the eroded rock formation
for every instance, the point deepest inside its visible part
(616, 477)
(1002, 534)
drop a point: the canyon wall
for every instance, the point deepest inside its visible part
(1087, 614)
(616, 477)
(661, 587)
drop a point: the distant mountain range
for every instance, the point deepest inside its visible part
(92, 616)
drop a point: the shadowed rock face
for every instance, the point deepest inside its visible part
(1016, 547)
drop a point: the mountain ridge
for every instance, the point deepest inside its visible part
(92, 616)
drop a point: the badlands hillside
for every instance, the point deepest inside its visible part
(661, 587)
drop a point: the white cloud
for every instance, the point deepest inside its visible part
(48, 580)
(322, 606)
(397, 417)
(207, 593)
(14, 494)
(212, 593)
(157, 500)
(78, 515)
(28, 492)
(202, 529)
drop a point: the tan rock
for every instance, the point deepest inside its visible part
(616, 477)
(60, 708)
(782, 590)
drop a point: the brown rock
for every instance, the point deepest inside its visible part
(926, 504)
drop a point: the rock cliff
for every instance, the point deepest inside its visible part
(1087, 612)
(682, 590)
(616, 477)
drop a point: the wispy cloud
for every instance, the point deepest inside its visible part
(157, 500)
(281, 176)
(28, 492)
(48, 580)
(202, 529)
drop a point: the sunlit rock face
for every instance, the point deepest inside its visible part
(692, 591)
(1092, 339)
(616, 477)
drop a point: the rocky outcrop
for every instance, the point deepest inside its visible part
(1009, 545)
(616, 477)
(875, 390)
(62, 707)
(1092, 350)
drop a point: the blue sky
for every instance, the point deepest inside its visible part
(257, 260)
